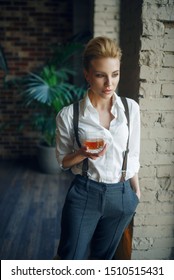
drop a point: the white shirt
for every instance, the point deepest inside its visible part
(107, 168)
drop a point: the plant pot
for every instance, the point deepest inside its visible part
(46, 157)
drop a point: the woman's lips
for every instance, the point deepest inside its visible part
(107, 91)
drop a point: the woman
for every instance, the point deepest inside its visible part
(99, 206)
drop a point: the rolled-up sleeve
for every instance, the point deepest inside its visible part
(134, 141)
(64, 134)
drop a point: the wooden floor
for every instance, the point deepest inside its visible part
(30, 210)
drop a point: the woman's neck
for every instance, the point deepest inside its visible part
(100, 103)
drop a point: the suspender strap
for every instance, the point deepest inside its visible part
(76, 121)
(75, 125)
(124, 166)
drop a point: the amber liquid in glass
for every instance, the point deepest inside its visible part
(94, 145)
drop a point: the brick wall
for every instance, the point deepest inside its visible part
(154, 223)
(106, 18)
(146, 37)
(27, 29)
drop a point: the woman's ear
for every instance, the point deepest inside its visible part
(86, 75)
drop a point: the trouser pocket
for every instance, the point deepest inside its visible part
(130, 199)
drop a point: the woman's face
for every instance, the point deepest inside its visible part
(103, 76)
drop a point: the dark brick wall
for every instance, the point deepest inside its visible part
(27, 29)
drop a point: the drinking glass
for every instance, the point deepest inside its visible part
(94, 142)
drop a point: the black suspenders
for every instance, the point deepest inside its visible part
(124, 165)
(75, 125)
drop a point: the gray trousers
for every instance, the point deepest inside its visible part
(94, 218)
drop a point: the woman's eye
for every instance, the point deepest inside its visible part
(99, 75)
(115, 75)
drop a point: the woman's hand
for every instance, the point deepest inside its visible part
(135, 185)
(78, 156)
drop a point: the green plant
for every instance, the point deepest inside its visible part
(51, 88)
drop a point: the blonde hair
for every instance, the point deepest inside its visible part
(100, 47)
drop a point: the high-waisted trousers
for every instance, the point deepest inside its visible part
(94, 218)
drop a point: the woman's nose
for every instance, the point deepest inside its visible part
(108, 81)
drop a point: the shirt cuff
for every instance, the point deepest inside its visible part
(60, 160)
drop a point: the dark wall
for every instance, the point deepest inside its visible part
(27, 30)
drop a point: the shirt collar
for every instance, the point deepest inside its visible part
(87, 105)
(117, 101)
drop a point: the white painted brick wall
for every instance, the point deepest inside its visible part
(154, 223)
(106, 18)
(168, 60)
